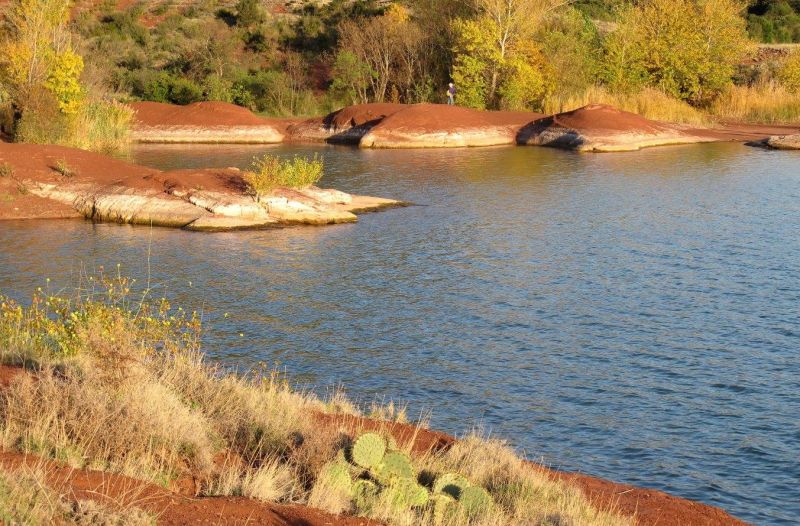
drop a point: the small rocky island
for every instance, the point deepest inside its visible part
(58, 182)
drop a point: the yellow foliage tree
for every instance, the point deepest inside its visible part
(494, 50)
(685, 48)
(37, 53)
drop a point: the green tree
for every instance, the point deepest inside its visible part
(685, 48)
(351, 78)
(37, 54)
(487, 48)
(472, 56)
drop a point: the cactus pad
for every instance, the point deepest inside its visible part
(338, 475)
(451, 483)
(406, 493)
(368, 450)
(395, 465)
(364, 494)
(443, 505)
(475, 501)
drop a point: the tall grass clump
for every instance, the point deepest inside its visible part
(115, 381)
(102, 127)
(648, 102)
(768, 103)
(269, 173)
(97, 126)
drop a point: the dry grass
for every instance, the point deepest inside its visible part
(767, 103)
(25, 498)
(119, 384)
(648, 103)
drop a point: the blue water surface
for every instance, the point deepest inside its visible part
(634, 316)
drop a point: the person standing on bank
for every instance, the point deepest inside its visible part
(451, 94)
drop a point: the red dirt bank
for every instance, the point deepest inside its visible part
(384, 125)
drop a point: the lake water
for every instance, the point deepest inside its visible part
(634, 316)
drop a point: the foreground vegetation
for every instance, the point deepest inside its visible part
(118, 384)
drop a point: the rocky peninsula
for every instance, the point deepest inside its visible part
(59, 182)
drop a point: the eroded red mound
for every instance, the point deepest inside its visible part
(195, 114)
(431, 118)
(601, 117)
(361, 114)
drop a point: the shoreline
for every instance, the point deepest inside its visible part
(593, 128)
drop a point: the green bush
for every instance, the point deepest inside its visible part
(686, 48)
(269, 173)
(161, 86)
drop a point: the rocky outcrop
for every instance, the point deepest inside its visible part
(107, 190)
(345, 126)
(266, 134)
(595, 128)
(602, 128)
(413, 126)
(784, 142)
(441, 126)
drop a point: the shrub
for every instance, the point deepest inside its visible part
(6, 170)
(269, 173)
(102, 126)
(789, 72)
(768, 103)
(63, 168)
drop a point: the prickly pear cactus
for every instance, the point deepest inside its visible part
(368, 450)
(337, 474)
(395, 465)
(365, 492)
(406, 493)
(452, 484)
(444, 505)
(475, 501)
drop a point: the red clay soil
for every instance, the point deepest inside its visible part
(744, 132)
(172, 508)
(431, 118)
(38, 163)
(361, 114)
(603, 118)
(195, 114)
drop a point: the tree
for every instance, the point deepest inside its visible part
(484, 47)
(686, 48)
(37, 55)
(351, 78)
(389, 46)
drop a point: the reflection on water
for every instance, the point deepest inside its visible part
(633, 316)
